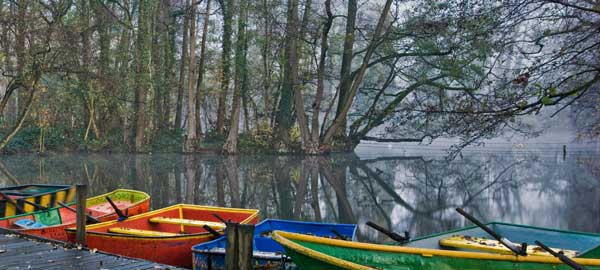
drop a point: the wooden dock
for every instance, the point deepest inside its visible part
(24, 252)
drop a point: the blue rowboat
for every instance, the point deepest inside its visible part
(268, 254)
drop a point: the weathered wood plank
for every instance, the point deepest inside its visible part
(23, 253)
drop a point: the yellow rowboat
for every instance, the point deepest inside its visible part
(47, 196)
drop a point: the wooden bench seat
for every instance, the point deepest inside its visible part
(187, 222)
(494, 246)
(139, 232)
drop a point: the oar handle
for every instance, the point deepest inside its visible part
(219, 218)
(117, 210)
(561, 256)
(211, 230)
(338, 234)
(13, 202)
(89, 218)
(504, 241)
(39, 206)
(394, 236)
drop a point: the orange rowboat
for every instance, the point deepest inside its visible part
(165, 235)
(52, 223)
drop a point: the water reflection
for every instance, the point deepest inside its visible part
(417, 194)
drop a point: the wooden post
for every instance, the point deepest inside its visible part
(231, 255)
(238, 251)
(81, 194)
(564, 152)
(245, 246)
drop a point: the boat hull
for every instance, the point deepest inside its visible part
(312, 253)
(44, 195)
(173, 248)
(131, 202)
(268, 254)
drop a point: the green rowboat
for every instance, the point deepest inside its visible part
(312, 253)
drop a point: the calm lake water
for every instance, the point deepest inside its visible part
(415, 191)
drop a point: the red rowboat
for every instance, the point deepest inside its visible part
(52, 223)
(165, 235)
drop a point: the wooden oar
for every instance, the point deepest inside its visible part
(36, 205)
(13, 202)
(394, 236)
(561, 256)
(518, 250)
(211, 231)
(220, 218)
(117, 210)
(339, 235)
(89, 218)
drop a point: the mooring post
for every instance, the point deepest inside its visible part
(245, 246)
(81, 194)
(238, 251)
(564, 152)
(231, 254)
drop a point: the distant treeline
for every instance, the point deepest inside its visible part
(309, 76)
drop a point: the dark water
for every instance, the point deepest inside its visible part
(412, 192)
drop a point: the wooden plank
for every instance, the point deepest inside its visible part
(138, 232)
(187, 222)
(494, 246)
(27, 254)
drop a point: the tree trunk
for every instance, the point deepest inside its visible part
(170, 55)
(184, 51)
(27, 107)
(230, 146)
(106, 102)
(142, 78)
(84, 77)
(124, 72)
(291, 53)
(283, 119)
(225, 64)
(158, 66)
(190, 139)
(313, 146)
(340, 120)
(201, 70)
(346, 66)
(266, 65)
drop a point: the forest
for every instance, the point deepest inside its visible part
(293, 76)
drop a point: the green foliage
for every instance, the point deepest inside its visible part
(547, 101)
(27, 140)
(167, 140)
(249, 143)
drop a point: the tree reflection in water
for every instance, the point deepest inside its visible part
(417, 194)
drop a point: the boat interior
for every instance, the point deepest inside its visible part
(264, 243)
(172, 221)
(583, 244)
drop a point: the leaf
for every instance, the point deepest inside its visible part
(553, 90)
(547, 101)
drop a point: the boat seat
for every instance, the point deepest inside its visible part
(138, 232)
(187, 222)
(28, 224)
(494, 246)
